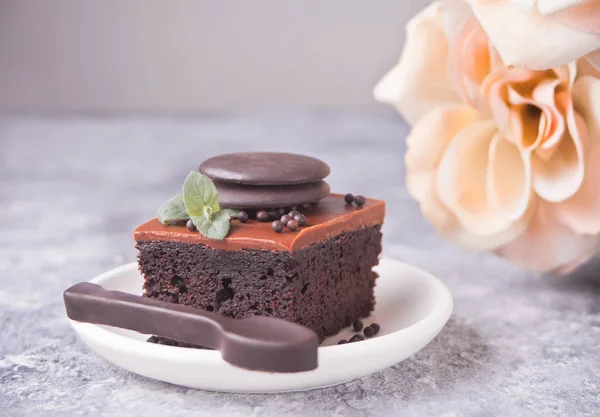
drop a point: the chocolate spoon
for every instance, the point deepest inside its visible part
(255, 343)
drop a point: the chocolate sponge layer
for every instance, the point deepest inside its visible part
(325, 286)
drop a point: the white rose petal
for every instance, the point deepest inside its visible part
(531, 40)
(420, 80)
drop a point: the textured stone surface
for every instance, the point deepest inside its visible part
(72, 190)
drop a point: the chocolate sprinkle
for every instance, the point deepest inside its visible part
(357, 325)
(277, 226)
(369, 332)
(375, 327)
(356, 338)
(190, 225)
(301, 219)
(243, 216)
(292, 225)
(285, 219)
(262, 216)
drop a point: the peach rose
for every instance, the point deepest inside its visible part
(498, 159)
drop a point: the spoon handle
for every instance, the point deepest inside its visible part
(91, 303)
(244, 343)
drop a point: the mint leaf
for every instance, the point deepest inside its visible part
(200, 196)
(233, 213)
(173, 211)
(216, 227)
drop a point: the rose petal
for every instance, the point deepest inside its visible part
(469, 62)
(544, 91)
(567, 74)
(455, 15)
(526, 126)
(554, 130)
(508, 179)
(572, 265)
(584, 17)
(495, 92)
(525, 5)
(461, 179)
(536, 123)
(582, 211)
(420, 80)
(559, 177)
(472, 241)
(586, 102)
(593, 58)
(495, 59)
(531, 40)
(426, 145)
(553, 121)
(547, 244)
(549, 7)
(502, 87)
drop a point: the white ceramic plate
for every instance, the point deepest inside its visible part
(412, 307)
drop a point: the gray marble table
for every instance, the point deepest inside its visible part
(72, 190)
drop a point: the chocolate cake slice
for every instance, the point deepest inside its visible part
(318, 275)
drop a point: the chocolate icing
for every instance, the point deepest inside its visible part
(269, 196)
(264, 168)
(331, 217)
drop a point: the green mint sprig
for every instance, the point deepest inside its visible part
(173, 211)
(199, 202)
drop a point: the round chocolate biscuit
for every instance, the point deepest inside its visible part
(264, 168)
(269, 196)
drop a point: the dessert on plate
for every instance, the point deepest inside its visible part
(261, 234)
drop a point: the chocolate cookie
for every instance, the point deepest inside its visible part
(264, 168)
(272, 196)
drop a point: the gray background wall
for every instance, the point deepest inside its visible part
(190, 55)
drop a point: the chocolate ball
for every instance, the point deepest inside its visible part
(285, 219)
(301, 219)
(277, 226)
(356, 338)
(191, 226)
(262, 216)
(243, 216)
(292, 225)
